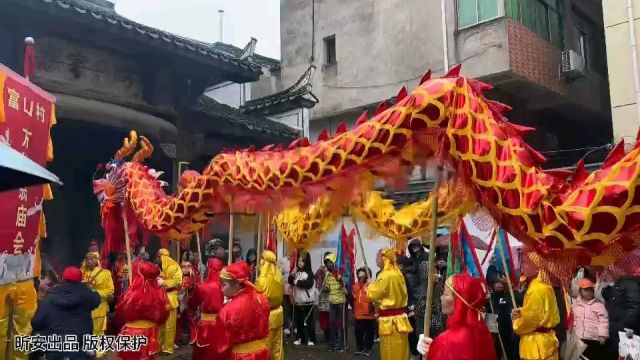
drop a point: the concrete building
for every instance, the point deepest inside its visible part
(623, 71)
(365, 50)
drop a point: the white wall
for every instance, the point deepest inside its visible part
(231, 94)
(297, 119)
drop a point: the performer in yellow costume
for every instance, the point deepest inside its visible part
(24, 297)
(535, 321)
(271, 283)
(389, 293)
(171, 280)
(99, 280)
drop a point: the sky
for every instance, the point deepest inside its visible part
(199, 19)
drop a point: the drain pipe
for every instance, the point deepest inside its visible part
(445, 42)
(634, 55)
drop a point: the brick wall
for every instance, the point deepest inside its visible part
(533, 58)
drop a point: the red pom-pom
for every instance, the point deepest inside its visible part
(99, 167)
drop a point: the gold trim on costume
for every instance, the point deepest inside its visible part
(208, 316)
(251, 347)
(141, 324)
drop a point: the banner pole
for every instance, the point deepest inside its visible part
(432, 252)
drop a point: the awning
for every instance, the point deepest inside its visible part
(17, 170)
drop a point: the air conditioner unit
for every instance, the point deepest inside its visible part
(572, 65)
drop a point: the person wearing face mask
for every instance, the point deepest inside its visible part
(364, 314)
(500, 304)
(304, 297)
(590, 320)
(467, 336)
(389, 294)
(236, 251)
(333, 285)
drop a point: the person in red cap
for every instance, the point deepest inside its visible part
(245, 317)
(143, 309)
(208, 297)
(66, 311)
(590, 320)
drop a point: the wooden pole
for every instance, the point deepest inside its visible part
(8, 351)
(432, 252)
(230, 260)
(506, 272)
(198, 247)
(258, 245)
(127, 242)
(364, 257)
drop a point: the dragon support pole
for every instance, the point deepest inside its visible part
(432, 253)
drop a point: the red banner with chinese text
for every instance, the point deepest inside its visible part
(26, 116)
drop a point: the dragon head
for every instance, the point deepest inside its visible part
(110, 180)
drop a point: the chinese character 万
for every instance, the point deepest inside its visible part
(40, 112)
(22, 194)
(17, 243)
(14, 99)
(21, 217)
(27, 108)
(27, 135)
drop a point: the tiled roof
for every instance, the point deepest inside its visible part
(103, 11)
(302, 87)
(215, 109)
(269, 63)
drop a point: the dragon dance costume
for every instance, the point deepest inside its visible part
(208, 297)
(171, 276)
(245, 318)
(467, 336)
(271, 283)
(389, 293)
(100, 280)
(539, 316)
(143, 309)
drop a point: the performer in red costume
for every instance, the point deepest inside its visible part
(245, 317)
(143, 309)
(467, 336)
(208, 297)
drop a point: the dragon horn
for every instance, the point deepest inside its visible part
(426, 77)
(454, 72)
(146, 149)
(128, 146)
(363, 118)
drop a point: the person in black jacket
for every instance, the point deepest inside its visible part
(622, 301)
(304, 291)
(500, 304)
(66, 311)
(408, 270)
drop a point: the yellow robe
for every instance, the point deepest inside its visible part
(389, 292)
(172, 276)
(99, 280)
(271, 283)
(539, 310)
(24, 306)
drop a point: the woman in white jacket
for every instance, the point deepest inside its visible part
(304, 291)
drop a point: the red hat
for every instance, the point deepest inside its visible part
(72, 274)
(214, 264)
(239, 271)
(149, 270)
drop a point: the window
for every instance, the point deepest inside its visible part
(544, 17)
(475, 11)
(330, 50)
(588, 41)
